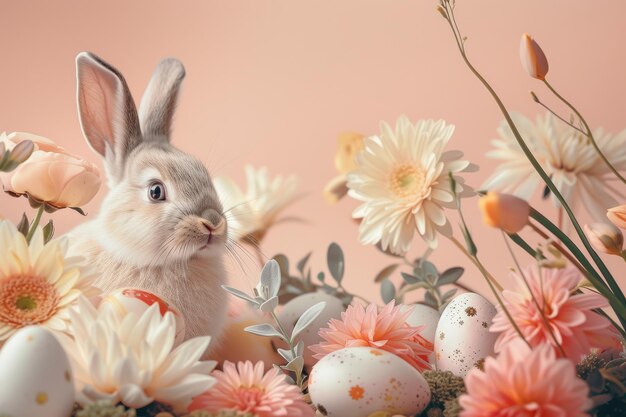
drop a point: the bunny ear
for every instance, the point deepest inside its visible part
(159, 101)
(107, 113)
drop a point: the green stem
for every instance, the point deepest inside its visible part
(621, 301)
(588, 132)
(594, 278)
(291, 346)
(34, 224)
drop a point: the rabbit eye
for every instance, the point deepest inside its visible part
(156, 191)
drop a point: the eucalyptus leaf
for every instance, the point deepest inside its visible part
(307, 318)
(300, 348)
(23, 225)
(386, 272)
(239, 294)
(410, 279)
(321, 276)
(336, 262)
(295, 365)
(387, 291)
(430, 300)
(270, 280)
(48, 232)
(285, 354)
(447, 296)
(450, 276)
(427, 271)
(283, 262)
(264, 329)
(269, 305)
(302, 263)
(469, 242)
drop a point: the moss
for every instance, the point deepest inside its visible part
(452, 408)
(105, 409)
(444, 386)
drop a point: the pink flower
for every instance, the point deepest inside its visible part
(246, 389)
(576, 328)
(525, 383)
(385, 329)
(51, 174)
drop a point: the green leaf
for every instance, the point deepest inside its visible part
(295, 365)
(430, 300)
(283, 263)
(48, 232)
(450, 276)
(264, 329)
(24, 225)
(469, 242)
(302, 263)
(307, 318)
(387, 291)
(386, 272)
(426, 271)
(410, 279)
(239, 294)
(447, 296)
(321, 277)
(336, 263)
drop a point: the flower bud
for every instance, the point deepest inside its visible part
(533, 59)
(617, 216)
(605, 238)
(504, 211)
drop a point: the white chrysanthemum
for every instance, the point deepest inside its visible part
(403, 180)
(252, 213)
(38, 283)
(566, 156)
(129, 359)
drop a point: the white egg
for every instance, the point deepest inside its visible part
(428, 317)
(290, 313)
(35, 376)
(463, 340)
(134, 300)
(358, 381)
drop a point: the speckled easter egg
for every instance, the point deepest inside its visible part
(428, 317)
(292, 311)
(463, 340)
(236, 345)
(35, 376)
(358, 381)
(137, 301)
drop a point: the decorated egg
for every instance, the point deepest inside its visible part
(463, 340)
(426, 316)
(236, 345)
(292, 311)
(137, 301)
(35, 376)
(358, 381)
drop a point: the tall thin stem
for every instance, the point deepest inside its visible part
(34, 224)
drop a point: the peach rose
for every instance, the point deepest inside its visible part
(51, 174)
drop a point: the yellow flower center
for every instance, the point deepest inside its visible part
(26, 300)
(407, 180)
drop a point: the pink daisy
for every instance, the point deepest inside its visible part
(575, 326)
(385, 329)
(247, 389)
(525, 383)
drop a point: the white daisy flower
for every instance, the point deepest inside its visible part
(403, 180)
(253, 212)
(129, 358)
(567, 157)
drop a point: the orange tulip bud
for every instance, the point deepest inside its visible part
(533, 59)
(605, 238)
(617, 216)
(504, 211)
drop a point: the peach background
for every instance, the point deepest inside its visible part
(272, 82)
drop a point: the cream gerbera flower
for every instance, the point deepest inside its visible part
(129, 358)
(252, 213)
(403, 180)
(568, 158)
(38, 283)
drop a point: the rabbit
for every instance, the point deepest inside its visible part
(161, 227)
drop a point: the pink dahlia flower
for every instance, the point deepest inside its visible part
(525, 383)
(247, 389)
(385, 329)
(575, 326)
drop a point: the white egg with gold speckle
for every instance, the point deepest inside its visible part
(35, 376)
(358, 381)
(423, 315)
(463, 340)
(292, 311)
